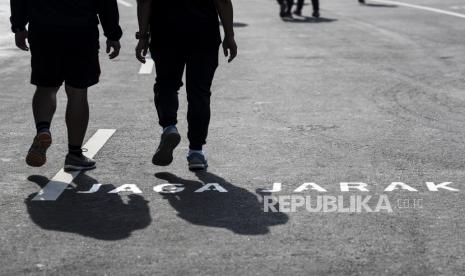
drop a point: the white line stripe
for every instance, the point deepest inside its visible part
(124, 3)
(421, 8)
(62, 179)
(147, 67)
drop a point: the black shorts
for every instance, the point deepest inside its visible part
(69, 56)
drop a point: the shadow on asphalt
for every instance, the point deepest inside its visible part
(238, 24)
(379, 5)
(308, 19)
(238, 210)
(100, 215)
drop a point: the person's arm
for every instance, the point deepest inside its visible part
(144, 9)
(19, 19)
(225, 11)
(109, 18)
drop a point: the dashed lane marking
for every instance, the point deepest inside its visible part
(147, 67)
(124, 3)
(421, 8)
(62, 179)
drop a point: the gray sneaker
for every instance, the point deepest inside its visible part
(170, 138)
(197, 162)
(78, 163)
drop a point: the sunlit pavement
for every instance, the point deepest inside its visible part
(370, 94)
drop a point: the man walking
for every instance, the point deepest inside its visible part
(184, 35)
(64, 43)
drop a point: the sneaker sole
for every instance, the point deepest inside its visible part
(198, 167)
(164, 154)
(71, 168)
(36, 159)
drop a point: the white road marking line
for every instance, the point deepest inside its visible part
(62, 179)
(124, 3)
(421, 8)
(147, 67)
(94, 189)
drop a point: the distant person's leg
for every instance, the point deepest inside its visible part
(289, 4)
(299, 7)
(200, 71)
(282, 10)
(316, 8)
(169, 67)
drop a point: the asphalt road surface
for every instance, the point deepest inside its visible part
(371, 94)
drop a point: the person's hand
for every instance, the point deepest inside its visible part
(229, 48)
(116, 48)
(20, 40)
(141, 49)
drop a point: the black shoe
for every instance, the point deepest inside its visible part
(36, 156)
(316, 14)
(361, 1)
(287, 14)
(170, 138)
(298, 12)
(78, 162)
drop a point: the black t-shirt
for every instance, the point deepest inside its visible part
(184, 23)
(67, 14)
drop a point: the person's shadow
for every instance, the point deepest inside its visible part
(98, 215)
(237, 24)
(238, 210)
(308, 19)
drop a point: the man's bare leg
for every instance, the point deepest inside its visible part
(44, 104)
(77, 120)
(77, 115)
